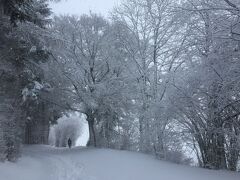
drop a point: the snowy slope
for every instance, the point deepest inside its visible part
(47, 163)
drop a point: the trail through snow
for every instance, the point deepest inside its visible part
(48, 163)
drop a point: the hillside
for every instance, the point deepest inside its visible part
(47, 163)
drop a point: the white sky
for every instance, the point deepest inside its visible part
(78, 7)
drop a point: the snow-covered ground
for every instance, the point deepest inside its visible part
(48, 163)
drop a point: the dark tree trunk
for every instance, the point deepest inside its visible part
(1, 8)
(233, 151)
(92, 135)
(220, 155)
(37, 130)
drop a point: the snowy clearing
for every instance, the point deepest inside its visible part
(48, 163)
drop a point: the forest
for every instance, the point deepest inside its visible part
(160, 77)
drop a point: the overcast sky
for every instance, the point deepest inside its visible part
(78, 7)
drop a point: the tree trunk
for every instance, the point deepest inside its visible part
(37, 130)
(92, 135)
(220, 154)
(141, 136)
(1, 8)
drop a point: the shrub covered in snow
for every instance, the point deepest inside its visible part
(66, 127)
(178, 157)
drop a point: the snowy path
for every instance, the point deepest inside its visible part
(46, 163)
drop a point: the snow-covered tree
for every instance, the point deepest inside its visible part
(21, 51)
(88, 61)
(153, 42)
(206, 96)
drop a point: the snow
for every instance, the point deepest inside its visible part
(83, 139)
(48, 163)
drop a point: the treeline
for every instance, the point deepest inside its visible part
(24, 116)
(158, 76)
